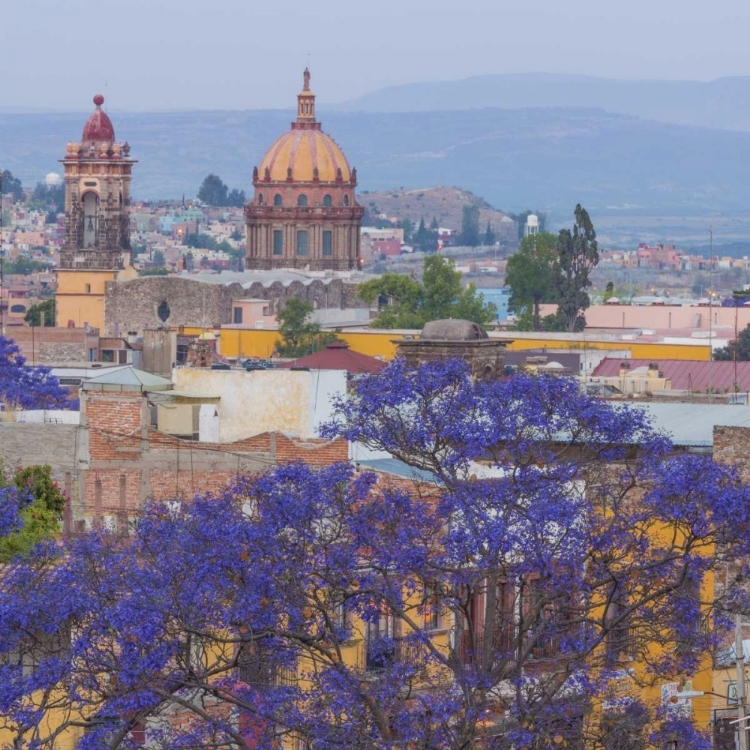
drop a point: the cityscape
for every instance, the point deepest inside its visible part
(410, 414)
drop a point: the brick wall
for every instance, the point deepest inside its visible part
(114, 422)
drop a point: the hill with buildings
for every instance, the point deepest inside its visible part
(546, 159)
(445, 204)
(723, 103)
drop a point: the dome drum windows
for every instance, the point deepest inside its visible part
(327, 201)
(302, 201)
(278, 200)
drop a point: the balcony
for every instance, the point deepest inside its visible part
(262, 671)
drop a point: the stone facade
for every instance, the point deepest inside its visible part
(461, 339)
(135, 305)
(97, 197)
(304, 212)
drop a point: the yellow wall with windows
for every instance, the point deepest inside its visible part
(80, 297)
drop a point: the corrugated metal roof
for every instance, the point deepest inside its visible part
(686, 374)
(397, 468)
(693, 424)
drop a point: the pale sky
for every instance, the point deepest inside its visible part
(248, 54)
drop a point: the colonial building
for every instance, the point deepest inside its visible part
(97, 224)
(304, 213)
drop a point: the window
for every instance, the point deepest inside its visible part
(163, 311)
(108, 355)
(327, 201)
(431, 607)
(278, 200)
(619, 636)
(302, 242)
(302, 201)
(260, 199)
(88, 288)
(278, 242)
(327, 242)
(381, 646)
(237, 315)
(18, 308)
(346, 200)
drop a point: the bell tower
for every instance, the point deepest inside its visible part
(96, 248)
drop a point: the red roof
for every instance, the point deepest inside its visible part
(686, 374)
(338, 356)
(98, 127)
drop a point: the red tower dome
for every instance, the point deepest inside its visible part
(98, 127)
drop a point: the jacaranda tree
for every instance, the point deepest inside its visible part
(547, 543)
(25, 387)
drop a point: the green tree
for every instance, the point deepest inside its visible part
(425, 239)
(201, 241)
(23, 266)
(153, 272)
(577, 254)
(213, 191)
(158, 259)
(10, 185)
(470, 226)
(41, 507)
(299, 336)
(489, 235)
(407, 303)
(408, 226)
(739, 347)
(530, 274)
(34, 314)
(236, 198)
(609, 291)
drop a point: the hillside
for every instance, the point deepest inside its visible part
(442, 203)
(723, 103)
(548, 159)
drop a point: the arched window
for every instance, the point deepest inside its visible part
(346, 200)
(327, 201)
(278, 200)
(90, 219)
(260, 199)
(302, 201)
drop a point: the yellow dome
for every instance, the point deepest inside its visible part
(303, 150)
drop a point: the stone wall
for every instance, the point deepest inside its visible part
(134, 305)
(53, 345)
(24, 444)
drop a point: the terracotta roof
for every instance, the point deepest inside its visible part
(98, 127)
(338, 356)
(686, 374)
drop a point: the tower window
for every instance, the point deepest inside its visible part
(346, 200)
(163, 311)
(302, 201)
(327, 242)
(302, 242)
(260, 199)
(278, 242)
(327, 201)
(278, 200)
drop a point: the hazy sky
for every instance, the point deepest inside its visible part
(242, 54)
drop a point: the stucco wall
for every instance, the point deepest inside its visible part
(26, 444)
(265, 401)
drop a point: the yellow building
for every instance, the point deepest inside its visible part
(97, 223)
(250, 342)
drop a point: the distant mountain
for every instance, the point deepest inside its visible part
(723, 103)
(546, 159)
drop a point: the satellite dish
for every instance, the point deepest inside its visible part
(52, 179)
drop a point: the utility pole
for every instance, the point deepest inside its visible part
(741, 687)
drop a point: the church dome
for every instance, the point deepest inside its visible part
(305, 153)
(98, 127)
